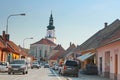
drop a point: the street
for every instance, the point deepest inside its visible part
(44, 74)
(33, 74)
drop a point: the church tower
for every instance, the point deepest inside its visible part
(51, 30)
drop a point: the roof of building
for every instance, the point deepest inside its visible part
(50, 26)
(22, 51)
(13, 47)
(16, 49)
(72, 47)
(58, 47)
(57, 55)
(114, 36)
(2, 45)
(45, 42)
(96, 40)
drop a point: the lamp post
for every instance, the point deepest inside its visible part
(22, 14)
(25, 39)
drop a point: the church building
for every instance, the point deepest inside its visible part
(42, 49)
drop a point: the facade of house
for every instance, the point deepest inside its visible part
(108, 58)
(102, 49)
(2, 49)
(9, 50)
(108, 53)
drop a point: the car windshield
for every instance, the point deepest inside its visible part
(17, 62)
(3, 63)
(71, 63)
(35, 62)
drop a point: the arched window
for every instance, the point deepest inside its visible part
(45, 53)
(40, 54)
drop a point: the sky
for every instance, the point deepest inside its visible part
(75, 20)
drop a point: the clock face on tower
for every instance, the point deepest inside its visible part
(50, 33)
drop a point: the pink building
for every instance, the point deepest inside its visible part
(108, 54)
(109, 60)
(106, 46)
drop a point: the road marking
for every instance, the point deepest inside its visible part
(56, 75)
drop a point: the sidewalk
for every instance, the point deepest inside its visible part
(91, 77)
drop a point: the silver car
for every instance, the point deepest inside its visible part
(4, 66)
(18, 66)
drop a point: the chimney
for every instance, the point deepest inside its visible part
(70, 43)
(7, 37)
(106, 24)
(3, 34)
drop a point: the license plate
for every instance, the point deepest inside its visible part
(15, 68)
(69, 68)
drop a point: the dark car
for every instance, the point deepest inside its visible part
(91, 69)
(70, 67)
(18, 66)
(35, 65)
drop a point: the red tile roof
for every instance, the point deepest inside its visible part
(22, 51)
(13, 47)
(45, 41)
(58, 47)
(72, 47)
(2, 45)
(57, 55)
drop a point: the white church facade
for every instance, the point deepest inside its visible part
(43, 48)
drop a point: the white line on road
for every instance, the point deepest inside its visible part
(59, 77)
(56, 75)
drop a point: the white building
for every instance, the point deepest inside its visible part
(43, 48)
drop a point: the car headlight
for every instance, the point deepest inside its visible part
(22, 66)
(9, 66)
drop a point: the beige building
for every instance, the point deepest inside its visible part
(42, 49)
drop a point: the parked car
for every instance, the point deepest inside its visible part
(4, 66)
(70, 67)
(46, 65)
(55, 66)
(18, 66)
(91, 69)
(35, 65)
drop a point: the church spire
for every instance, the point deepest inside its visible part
(51, 30)
(50, 26)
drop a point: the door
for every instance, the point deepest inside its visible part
(100, 65)
(116, 66)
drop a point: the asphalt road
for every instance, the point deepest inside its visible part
(45, 74)
(33, 74)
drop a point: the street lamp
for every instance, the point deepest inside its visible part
(25, 39)
(22, 14)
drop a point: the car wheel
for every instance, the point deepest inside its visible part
(26, 72)
(76, 75)
(9, 72)
(13, 73)
(23, 72)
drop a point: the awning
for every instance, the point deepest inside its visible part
(85, 56)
